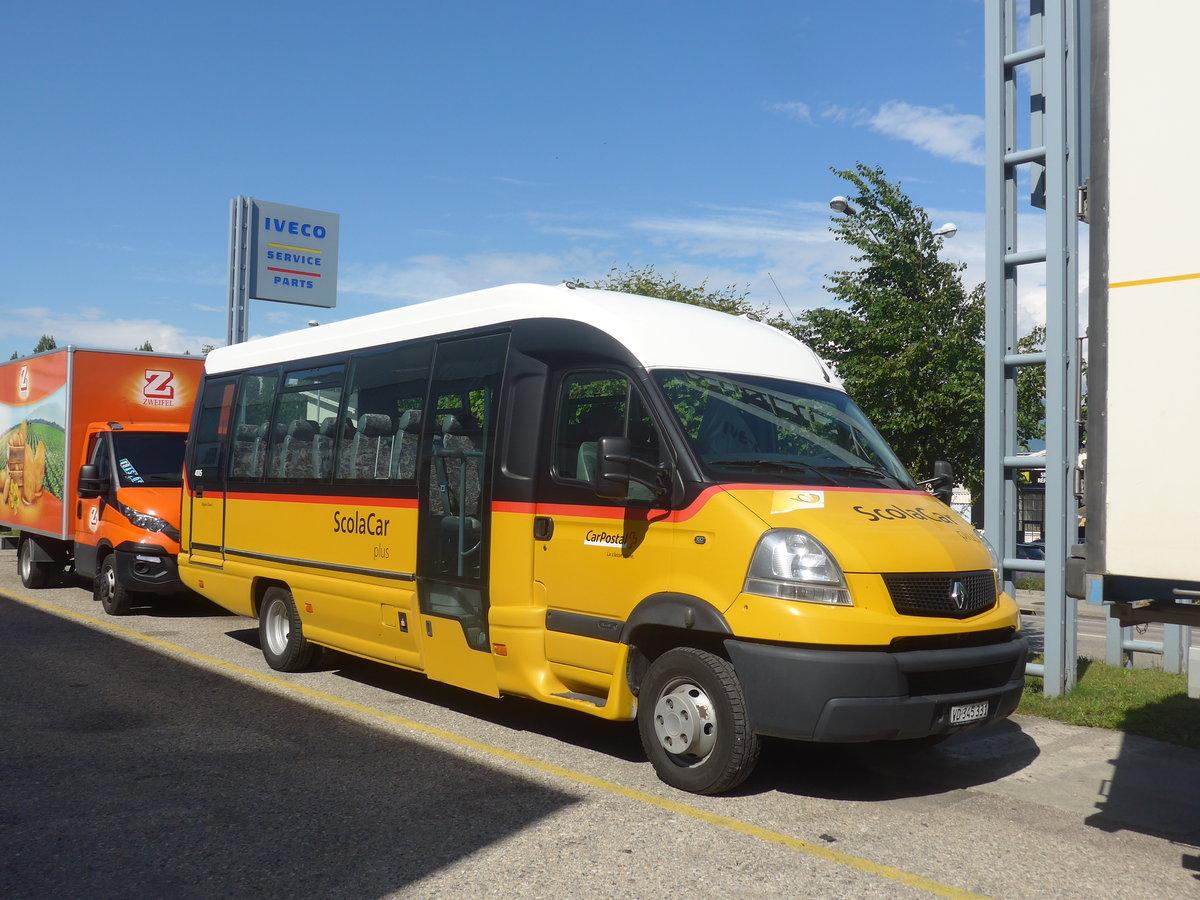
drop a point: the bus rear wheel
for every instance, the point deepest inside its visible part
(693, 722)
(279, 632)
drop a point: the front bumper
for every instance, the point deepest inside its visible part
(144, 568)
(846, 695)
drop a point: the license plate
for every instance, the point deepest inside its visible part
(968, 712)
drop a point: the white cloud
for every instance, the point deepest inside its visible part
(841, 115)
(942, 132)
(722, 246)
(795, 110)
(729, 235)
(427, 277)
(92, 327)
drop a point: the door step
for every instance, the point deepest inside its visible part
(583, 698)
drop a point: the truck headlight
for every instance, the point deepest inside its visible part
(147, 521)
(794, 565)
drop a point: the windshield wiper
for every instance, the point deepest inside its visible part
(779, 464)
(865, 471)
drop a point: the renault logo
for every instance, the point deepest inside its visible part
(958, 593)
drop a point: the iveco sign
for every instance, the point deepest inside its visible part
(293, 254)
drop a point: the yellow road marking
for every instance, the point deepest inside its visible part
(736, 825)
(1163, 280)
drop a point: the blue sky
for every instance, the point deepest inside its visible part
(464, 144)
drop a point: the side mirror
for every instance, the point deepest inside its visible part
(943, 481)
(611, 478)
(91, 483)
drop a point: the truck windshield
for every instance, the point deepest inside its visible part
(750, 428)
(149, 460)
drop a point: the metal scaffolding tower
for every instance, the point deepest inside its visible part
(1034, 55)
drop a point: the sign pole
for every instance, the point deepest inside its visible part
(282, 253)
(239, 299)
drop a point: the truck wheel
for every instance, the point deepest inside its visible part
(116, 600)
(34, 573)
(279, 632)
(693, 722)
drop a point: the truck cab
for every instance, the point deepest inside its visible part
(127, 510)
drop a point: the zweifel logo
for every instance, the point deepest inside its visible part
(23, 383)
(159, 388)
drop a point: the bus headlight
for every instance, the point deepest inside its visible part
(996, 566)
(794, 565)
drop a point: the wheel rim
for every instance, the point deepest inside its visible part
(685, 721)
(108, 582)
(276, 627)
(26, 561)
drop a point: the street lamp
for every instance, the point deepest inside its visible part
(842, 205)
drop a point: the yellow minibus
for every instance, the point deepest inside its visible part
(626, 506)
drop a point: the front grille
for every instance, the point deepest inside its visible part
(959, 681)
(954, 595)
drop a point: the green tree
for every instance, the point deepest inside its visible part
(650, 283)
(907, 337)
(1031, 392)
(46, 343)
(147, 347)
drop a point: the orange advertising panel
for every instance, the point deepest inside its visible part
(33, 415)
(119, 387)
(46, 403)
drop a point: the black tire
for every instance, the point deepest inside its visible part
(693, 722)
(34, 573)
(280, 635)
(113, 596)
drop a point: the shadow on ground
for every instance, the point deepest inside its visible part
(131, 774)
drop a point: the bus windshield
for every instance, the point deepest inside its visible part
(757, 429)
(149, 458)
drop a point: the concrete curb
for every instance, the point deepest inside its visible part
(1033, 603)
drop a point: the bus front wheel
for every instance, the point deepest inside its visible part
(283, 643)
(693, 722)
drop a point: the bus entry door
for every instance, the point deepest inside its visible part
(455, 518)
(204, 519)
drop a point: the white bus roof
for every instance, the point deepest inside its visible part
(661, 334)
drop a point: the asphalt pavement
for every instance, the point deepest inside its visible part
(155, 755)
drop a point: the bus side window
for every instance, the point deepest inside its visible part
(591, 405)
(381, 428)
(252, 417)
(208, 445)
(306, 396)
(597, 404)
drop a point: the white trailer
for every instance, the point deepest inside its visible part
(1143, 431)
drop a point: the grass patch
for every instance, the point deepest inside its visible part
(1148, 702)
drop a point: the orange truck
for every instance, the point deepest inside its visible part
(91, 462)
